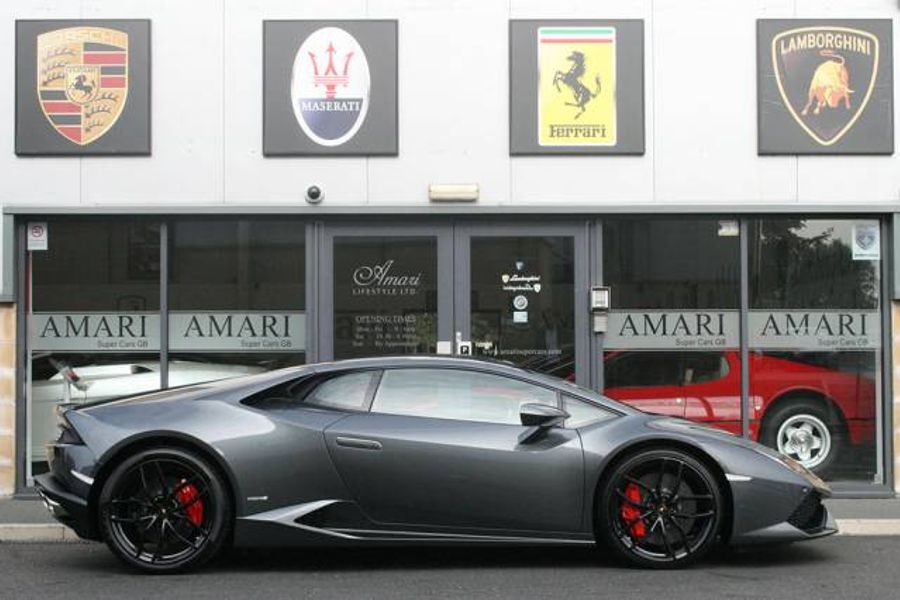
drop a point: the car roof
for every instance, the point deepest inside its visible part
(482, 364)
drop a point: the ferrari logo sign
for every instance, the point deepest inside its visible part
(825, 76)
(576, 86)
(82, 80)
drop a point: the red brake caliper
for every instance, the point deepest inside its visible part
(630, 512)
(187, 494)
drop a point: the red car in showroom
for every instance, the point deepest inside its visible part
(807, 411)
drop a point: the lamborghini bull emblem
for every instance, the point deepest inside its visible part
(82, 79)
(826, 76)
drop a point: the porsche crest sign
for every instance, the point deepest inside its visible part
(83, 87)
(82, 77)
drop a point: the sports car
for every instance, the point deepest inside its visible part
(413, 450)
(805, 411)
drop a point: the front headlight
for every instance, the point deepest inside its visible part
(793, 465)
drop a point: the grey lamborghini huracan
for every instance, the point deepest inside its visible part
(413, 450)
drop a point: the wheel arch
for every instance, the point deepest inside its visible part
(661, 443)
(116, 454)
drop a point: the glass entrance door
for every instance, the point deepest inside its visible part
(504, 291)
(516, 291)
(385, 291)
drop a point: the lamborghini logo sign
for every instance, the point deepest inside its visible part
(82, 80)
(825, 76)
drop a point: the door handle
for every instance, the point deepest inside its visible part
(348, 442)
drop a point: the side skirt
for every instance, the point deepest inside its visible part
(302, 525)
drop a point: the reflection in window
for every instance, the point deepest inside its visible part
(237, 297)
(582, 413)
(815, 338)
(671, 264)
(674, 323)
(456, 394)
(348, 392)
(523, 301)
(385, 296)
(93, 320)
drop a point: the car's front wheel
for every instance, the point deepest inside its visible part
(164, 510)
(660, 508)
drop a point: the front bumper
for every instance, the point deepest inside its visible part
(66, 507)
(809, 520)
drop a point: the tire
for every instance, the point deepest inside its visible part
(810, 423)
(165, 510)
(660, 509)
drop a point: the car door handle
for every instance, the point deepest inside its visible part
(362, 444)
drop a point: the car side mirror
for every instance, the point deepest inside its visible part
(539, 418)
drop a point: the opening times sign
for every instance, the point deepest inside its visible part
(219, 331)
(796, 330)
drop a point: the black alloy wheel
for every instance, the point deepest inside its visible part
(660, 509)
(164, 510)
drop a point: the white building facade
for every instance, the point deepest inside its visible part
(751, 291)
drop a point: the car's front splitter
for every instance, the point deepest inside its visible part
(787, 532)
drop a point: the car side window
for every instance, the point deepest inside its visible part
(703, 367)
(583, 413)
(457, 394)
(642, 369)
(344, 392)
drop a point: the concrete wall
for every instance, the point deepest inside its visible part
(207, 111)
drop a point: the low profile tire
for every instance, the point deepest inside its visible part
(804, 430)
(165, 510)
(660, 509)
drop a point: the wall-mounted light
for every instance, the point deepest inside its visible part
(453, 192)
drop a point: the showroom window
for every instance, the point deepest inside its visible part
(237, 298)
(672, 342)
(92, 311)
(815, 341)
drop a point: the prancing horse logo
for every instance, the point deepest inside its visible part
(572, 80)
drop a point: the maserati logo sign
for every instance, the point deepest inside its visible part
(330, 86)
(82, 80)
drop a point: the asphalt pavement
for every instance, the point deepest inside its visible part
(837, 567)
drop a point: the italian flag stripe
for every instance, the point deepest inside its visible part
(595, 35)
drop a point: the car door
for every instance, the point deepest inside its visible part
(440, 448)
(649, 381)
(712, 388)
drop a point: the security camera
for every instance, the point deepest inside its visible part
(314, 194)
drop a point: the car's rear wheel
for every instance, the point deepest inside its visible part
(164, 510)
(803, 430)
(660, 508)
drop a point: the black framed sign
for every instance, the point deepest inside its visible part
(83, 87)
(330, 88)
(825, 86)
(576, 87)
